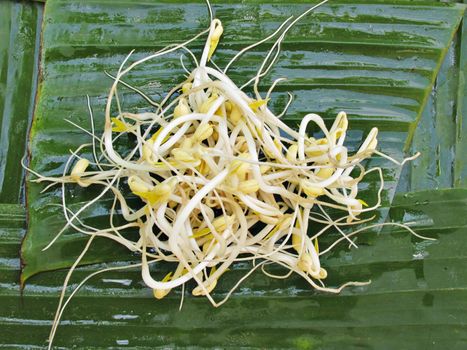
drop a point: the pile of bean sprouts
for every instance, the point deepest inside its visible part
(220, 178)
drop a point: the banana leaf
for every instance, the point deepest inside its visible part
(395, 65)
(376, 61)
(416, 299)
(19, 51)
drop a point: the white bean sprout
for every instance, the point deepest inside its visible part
(220, 178)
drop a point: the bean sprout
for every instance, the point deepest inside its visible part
(220, 178)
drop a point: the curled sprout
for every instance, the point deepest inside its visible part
(221, 179)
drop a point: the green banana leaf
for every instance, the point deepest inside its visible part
(417, 298)
(376, 61)
(19, 51)
(395, 65)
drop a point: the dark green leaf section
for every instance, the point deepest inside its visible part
(376, 60)
(460, 167)
(20, 25)
(12, 229)
(417, 298)
(440, 135)
(12, 214)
